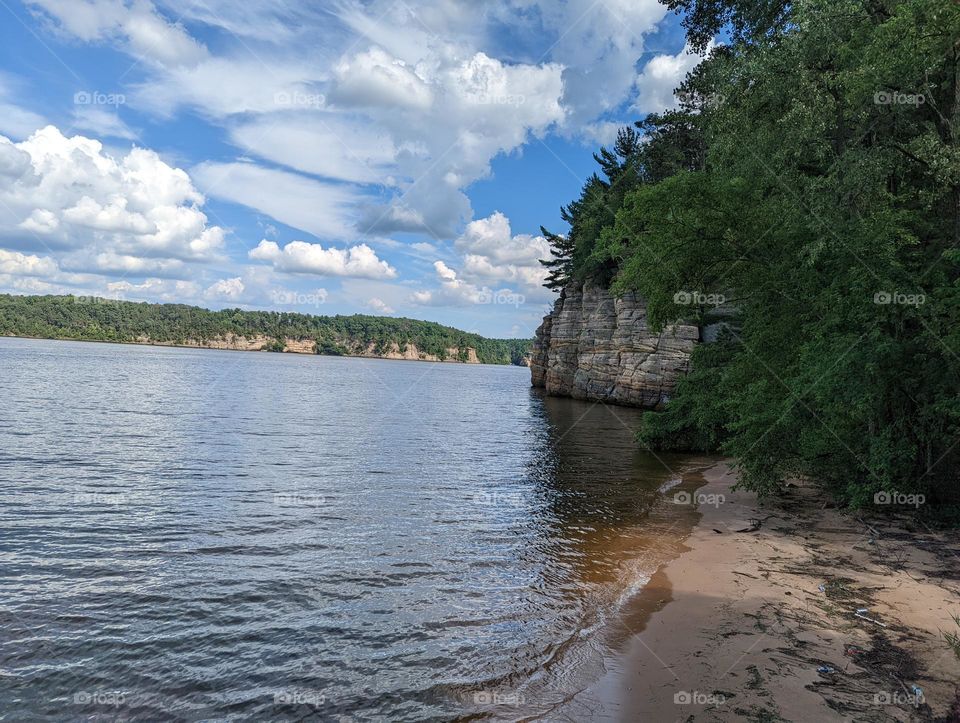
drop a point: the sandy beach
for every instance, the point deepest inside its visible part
(758, 618)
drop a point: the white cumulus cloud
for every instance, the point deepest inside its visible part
(660, 77)
(493, 252)
(375, 78)
(152, 289)
(231, 289)
(69, 193)
(452, 291)
(379, 305)
(309, 258)
(491, 255)
(14, 262)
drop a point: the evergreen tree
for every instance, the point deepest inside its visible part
(573, 253)
(561, 248)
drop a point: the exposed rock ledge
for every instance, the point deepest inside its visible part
(236, 342)
(412, 353)
(598, 347)
(309, 346)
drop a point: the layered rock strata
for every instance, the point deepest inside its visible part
(596, 346)
(309, 346)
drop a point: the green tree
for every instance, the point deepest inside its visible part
(574, 252)
(828, 211)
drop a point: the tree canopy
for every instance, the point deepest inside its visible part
(811, 176)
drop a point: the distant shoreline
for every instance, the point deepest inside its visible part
(171, 345)
(181, 325)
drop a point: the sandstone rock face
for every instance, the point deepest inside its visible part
(309, 346)
(299, 346)
(411, 353)
(230, 341)
(598, 347)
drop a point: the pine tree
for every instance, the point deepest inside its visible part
(561, 265)
(594, 210)
(620, 163)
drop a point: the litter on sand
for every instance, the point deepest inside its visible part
(862, 614)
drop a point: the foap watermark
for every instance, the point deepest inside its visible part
(99, 697)
(296, 499)
(496, 697)
(695, 697)
(698, 298)
(498, 499)
(894, 97)
(296, 298)
(95, 498)
(511, 99)
(96, 97)
(709, 100)
(698, 498)
(502, 297)
(298, 99)
(898, 498)
(898, 697)
(896, 297)
(299, 697)
(115, 299)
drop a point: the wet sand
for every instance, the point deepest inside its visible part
(756, 620)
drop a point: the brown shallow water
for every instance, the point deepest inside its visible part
(189, 534)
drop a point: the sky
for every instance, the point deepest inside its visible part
(392, 158)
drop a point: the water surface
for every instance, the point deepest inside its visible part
(189, 534)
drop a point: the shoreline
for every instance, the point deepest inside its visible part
(756, 619)
(169, 345)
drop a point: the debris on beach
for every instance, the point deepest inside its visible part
(862, 614)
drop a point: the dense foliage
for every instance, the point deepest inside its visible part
(812, 179)
(672, 144)
(69, 317)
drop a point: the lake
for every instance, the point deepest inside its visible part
(189, 534)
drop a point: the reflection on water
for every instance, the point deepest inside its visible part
(189, 534)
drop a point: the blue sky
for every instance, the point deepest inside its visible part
(392, 157)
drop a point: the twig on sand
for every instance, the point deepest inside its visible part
(754, 525)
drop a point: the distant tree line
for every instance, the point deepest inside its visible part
(88, 318)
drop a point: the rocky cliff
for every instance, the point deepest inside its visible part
(599, 347)
(235, 342)
(410, 352)
(260, 342)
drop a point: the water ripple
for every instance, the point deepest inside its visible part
(190, 535)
